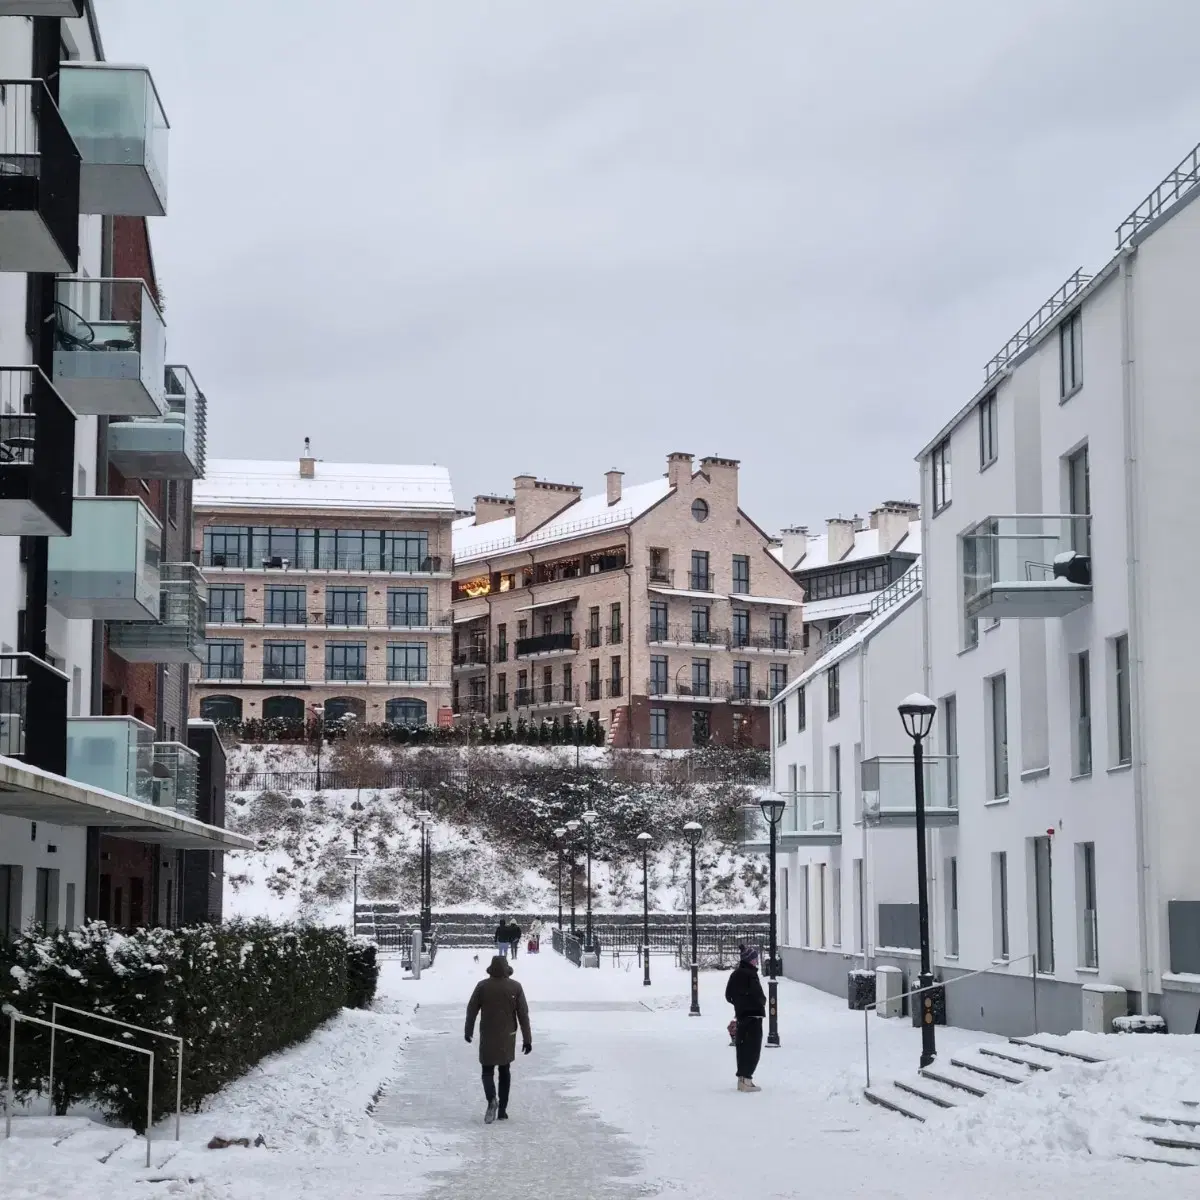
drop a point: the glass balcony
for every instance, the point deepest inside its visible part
(41, 8)
(118, 123)
(889, 796)
(1026, 567)
(108, 569)
(175, 774)
(39, 182)
(178, 634)
(109, 348)
(809, 818)
(37, 455)
(112, 753)
(33, 712)
(168, 447)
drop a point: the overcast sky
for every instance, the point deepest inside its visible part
(556, 237)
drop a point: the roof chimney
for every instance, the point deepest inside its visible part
(839, 537)
(892, 519)
(679, 468)
(537, 501)
(494, 508)
(795, 545)
(308, 464)
(612, 481)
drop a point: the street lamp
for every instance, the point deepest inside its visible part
(573, 828)
(589, 819)
(318, 717)
(645, 839)
(425, 816)
(355, 858)
(772, 810)
(692, 832)
(577, 732)
(917, 713)
(559, 834)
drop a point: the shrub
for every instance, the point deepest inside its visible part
(362, 972)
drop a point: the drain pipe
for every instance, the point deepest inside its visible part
(1132, 564)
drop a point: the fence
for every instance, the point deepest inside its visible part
(569, 946)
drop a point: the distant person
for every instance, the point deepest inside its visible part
(514, 937)
(502, 938)
(744, 991)
(499, 1003)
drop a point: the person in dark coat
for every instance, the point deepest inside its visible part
(502, 937)
(514, 937)
(499, 1003)
(744, 991)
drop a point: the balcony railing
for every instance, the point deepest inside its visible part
(33, 712)
(175, 772)
(706, 689)
(592, 689)
(614, 688)
(812, 817)
(178, 634)
(473, 656)
(112, 753)
(355, 564)
(288, 616)
(1027, 566)
(115, 118)
(545, 695)
(701, 581)
(661, 575)
(109, 348)
(419, 674)
(616, 635)
(168, 447)
(745, 693)
(687, 635)
(349, 619)
(546, 643)
(37, 455)
(594, 638)
(353, 674)
(889, 794)
(471, 704)
(500, 702)
(777, 642)
(419, 620)
(39, 182)
(280, 671)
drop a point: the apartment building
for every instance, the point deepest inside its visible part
(658, 609)
(1055, 604)
(328, 591)
(99, 793)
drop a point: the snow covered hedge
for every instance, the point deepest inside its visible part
(234, 993)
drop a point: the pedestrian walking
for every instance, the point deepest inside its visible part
(502, 938)
(499, 1003)
(514, 937)
(744, 991)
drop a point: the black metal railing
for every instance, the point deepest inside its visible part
(616, 635)
(471, 704)
(666, 687)
(37, 452)
(283, 670)
(346, 674)
(663, 575)
(765, 641)
(593, 639)
(686, 635)
(592, 689)
(473, 656)
(701, 581)
(614, 688)
(33, 704)
(408, 674)
(545, 693)
(544, 643)
(285, 616)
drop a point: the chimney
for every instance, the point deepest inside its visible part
(892, 519)
(493, 508)
(795, 545)
(724, 475)
(536, 501)
(612, 485)
(308, 464)
(679, 469)
(839, 538)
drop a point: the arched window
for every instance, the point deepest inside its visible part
(411, 713)
(339, 706)
(287, 708)
(221, 708)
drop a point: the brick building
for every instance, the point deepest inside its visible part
(657, 609)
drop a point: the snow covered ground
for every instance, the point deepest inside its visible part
(624, 1095)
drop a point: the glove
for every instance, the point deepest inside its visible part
(525, 1049)
(468, 1037)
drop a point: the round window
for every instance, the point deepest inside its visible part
(700, 510)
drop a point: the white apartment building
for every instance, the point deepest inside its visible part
(1058, 582)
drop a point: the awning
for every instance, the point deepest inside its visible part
(771, 601)
(666, 591)
(37, 795)
(547, 603)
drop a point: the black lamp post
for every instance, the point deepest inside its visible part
(645, 840)
(577, 732)
(692, 832)
(425, 816)
(318, 711)
(772, 810)
(559, 834)
(355, 858)
(573, 829)
(589, 819)
(917, 713)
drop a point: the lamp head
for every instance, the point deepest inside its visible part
(644, 838)
(772, 808)
(423, 814)
(573, 826)
(560, 832)
(692, 831)
(917, 713)
(589, 817)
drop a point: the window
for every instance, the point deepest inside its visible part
(658, 621)
(346, 606)
(408, 606)
(220, 708)
(405, 551)
(847, 581)
(741, 574)
(284, 606)
(835, 768)
(1079, 500)
(776, 678)
(1043, 895)
(658, 675)
(226, 546)
(502, 643)
(1000, 905)
(950, 741)
(593, 638)
(987, 431)
(658, 729)
(547, 623)
(412, 714)
(568, 678)
(804, 905)
(523, 693)
(346, 660)
(68, 921)
(700, 509)
(833, 689)
(45, 902)
(793, 776)
(522, 629)
(781, 722)
(779, 632)
(941, 474)
(801, 710)
(1123, 714)
(1081, 702)
(614, 625)
(547, 685)
(741, 684)
(835, 876)
(614, 676)
(700, 677)
(226, 605)
(1070, 354)
(952, 907)
(594, 679)
(408, 662)
(173, 501)
(701, 726)
(283, 660)
(659, 569)
(741, 627)
(700, 580)
(700, 624)
(283, 708)
(860, 907)
(1085, 882)
(997, 705)
(820, 899)
(223, 658)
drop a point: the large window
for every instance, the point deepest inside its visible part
(408, 662)
(346, 606)
(741, 681)
(346, 661)
(987, 431)
(1079, 499)
(1089, 932)
(1070, 354)
(1123, 714)
(223, 658)
(741, 627)
(776, 678)
(997, 698)
(226, 546)
(263, 546)
(226, 605)
(941, 474)
(283, 660)
(658, 675)
(658, 621)
(615, 633)
(950, 742)
(833, 692)
(741, 574)
(408, 606)
(284, 606)
(700, 624)
(1081, 678)
(283, 708)
(779, 631)
(701, 682)
(658, 729)
(701, 726)
(801, 710)
(220, 708)
(277, 546)
(700, 580)
(410, 713)
(406, 551)
(846, 581)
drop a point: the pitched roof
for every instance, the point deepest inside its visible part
(866, 545)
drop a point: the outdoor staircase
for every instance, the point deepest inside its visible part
(1171, 1136)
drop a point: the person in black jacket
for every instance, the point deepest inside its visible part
(514, 937)
(744, 991)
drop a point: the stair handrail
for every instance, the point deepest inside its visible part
(14, 1016)
(917, 991)
(83, 1012)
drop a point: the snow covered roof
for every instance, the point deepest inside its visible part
(866, 545)
(262, 483)
(587, 515)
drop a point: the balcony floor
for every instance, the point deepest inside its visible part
(28, 246)
(900, 818)
(1033, 600)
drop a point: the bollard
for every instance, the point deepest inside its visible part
(417, 947)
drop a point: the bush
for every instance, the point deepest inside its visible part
(234, 993)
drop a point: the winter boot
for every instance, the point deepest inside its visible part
(748, 1085)
(490, 1115)
(502, 1115)
(741, 1082)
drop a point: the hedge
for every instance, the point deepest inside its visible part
(235, 993)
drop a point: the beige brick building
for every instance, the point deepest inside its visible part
(329, 586)
(658, 608)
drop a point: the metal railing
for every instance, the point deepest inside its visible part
(895, 591)
(306, 560)
(554, 531)
(1174, 187)
(545, 643)
(473, 656)
(1040, 319)
(702, 581)
(687, 635)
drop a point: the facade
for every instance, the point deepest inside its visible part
(97, 789)
(328, 590)
(658, 609)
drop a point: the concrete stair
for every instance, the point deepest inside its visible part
(1170, 1136)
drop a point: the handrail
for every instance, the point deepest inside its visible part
(947, 983)
(83, 1012)
(14, 1016)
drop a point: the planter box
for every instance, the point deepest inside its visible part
(860, 989)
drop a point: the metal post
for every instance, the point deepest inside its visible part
(925, 982)
(867, 1040)
(694, 1011)
(418, 943)
(8, 1107)
(178, 1089)
(560, 854)
(588, 936)
(573, 844)
(149, 1108)
(1033, 979)
(772, 982)
(354, 909)
(645, 915)
(50, 1086)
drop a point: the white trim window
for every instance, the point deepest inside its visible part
(940, 463)
(1070, 354)
(987, 431)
